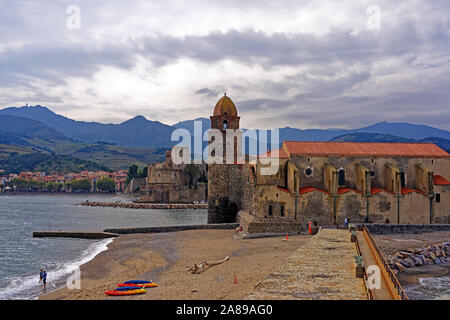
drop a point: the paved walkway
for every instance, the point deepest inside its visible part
(322, 269)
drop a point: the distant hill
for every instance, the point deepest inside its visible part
(51, 164)
(377, 137)
(136, 132)
(407, 130)
(68, 127)
(189, 124)
(26, 136)
(29, 128)
(140, 132)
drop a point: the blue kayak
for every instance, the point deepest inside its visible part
(137, 281)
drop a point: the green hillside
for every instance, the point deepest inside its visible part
(50, 164)
(23, 135)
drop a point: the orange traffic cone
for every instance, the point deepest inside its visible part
(287, 236)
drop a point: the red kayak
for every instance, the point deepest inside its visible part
(140, 285)
(123, 291)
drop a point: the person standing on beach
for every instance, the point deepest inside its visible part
(44, 279)
(40, 275)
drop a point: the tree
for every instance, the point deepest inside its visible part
(80, 185)
(19, 184)
(54, 186)
(134, 172)
(106, 185)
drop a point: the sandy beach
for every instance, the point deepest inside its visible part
(166, 258)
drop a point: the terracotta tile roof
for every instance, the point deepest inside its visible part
(310, 189)
(283, 189)
(278, 153)
(365, 149)
(345, 190)
(440, 181)
(374, 191)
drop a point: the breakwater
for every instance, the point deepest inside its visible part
(74, 234)
(172, 228)
(433, 254)
(139, 205)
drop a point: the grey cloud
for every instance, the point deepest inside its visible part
(55, 63)
(207, 92)
(353, 112)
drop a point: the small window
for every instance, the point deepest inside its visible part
(225, 124)
(270, 210)
(341, 177)
(438, 197)
(372, 173)
(402, 179)
(282, 211)
(308, 172)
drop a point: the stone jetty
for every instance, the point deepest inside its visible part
(134, 205)
(432, 254)
(74, 234)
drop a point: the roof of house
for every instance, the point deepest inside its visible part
(364, 149)
(440, 181)
(278, 153)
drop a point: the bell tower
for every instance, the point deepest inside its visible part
(224, 180)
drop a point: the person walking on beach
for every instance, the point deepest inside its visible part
(40, 275)
(44, 279)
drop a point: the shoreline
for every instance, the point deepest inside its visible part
(135, 205)
(112, 194)
(166, 257)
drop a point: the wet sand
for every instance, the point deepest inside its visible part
(166, 258)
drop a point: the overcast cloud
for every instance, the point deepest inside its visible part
(305, 64)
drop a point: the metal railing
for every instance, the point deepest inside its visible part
(369, 292)
(398, 287)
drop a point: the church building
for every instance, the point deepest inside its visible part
(325, 182)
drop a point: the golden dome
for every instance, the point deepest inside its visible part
(225, 106)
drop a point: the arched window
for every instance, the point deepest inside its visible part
(341, 177)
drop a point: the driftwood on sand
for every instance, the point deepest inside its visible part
(196, 269)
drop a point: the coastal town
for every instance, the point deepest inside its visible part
(85, 181)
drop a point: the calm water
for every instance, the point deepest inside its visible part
(22, 256)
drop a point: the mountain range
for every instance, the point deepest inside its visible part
(37, 128)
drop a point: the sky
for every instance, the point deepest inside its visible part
(296, 63)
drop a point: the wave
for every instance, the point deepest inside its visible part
(433, 288)
(26, 288)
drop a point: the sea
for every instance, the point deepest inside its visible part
(22, 256)
(430, 288)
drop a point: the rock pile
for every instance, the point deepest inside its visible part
(131, 205)
(432, 254)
